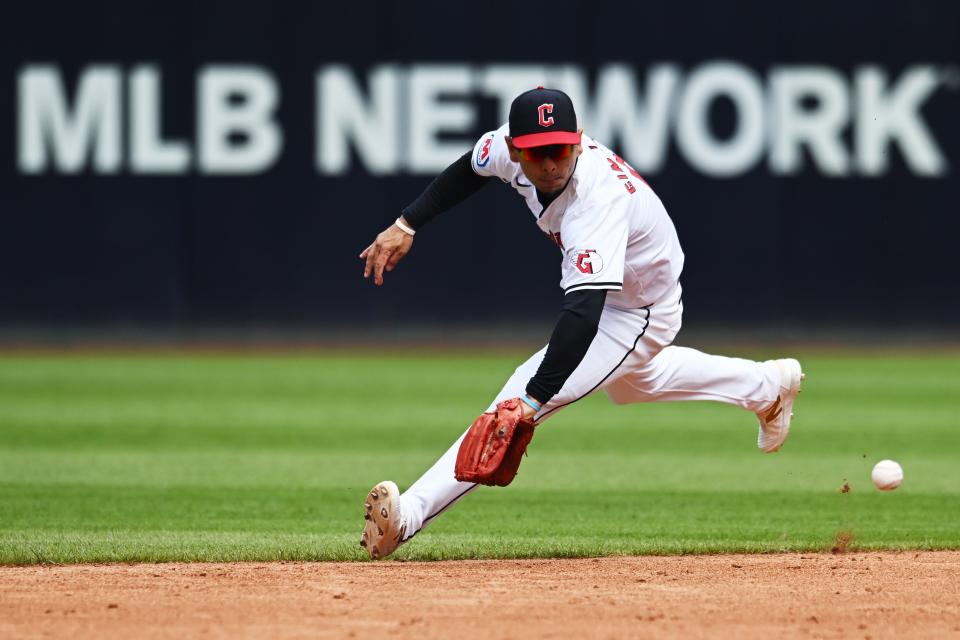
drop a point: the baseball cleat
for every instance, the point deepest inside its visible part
(384, 528)
(775, 420)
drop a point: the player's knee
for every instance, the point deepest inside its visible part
(619, 395)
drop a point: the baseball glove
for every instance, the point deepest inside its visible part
(493, 447)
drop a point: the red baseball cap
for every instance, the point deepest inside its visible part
(543, 116)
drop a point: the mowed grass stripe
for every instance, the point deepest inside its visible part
(262, 525)
(126, 458)
(745, 471)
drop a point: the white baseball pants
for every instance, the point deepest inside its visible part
(631, 360)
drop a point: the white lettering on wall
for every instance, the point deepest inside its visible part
(149, 152)
(372, 126)
(507, 81)
(885, 116)
(237, 101)
(819, 128)
(416, 119)
(50, 130)
(637, 123)
(744, 148)
(434, 111)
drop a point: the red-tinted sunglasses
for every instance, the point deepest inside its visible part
(553, 151)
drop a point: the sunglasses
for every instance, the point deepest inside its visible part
(553, 151)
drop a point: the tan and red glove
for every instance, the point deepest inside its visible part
(491, 451)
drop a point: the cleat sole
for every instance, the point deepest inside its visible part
(383, 531)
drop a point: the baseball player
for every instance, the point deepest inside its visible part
(620, 264)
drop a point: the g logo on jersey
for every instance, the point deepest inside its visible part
(483, 153)
(586, 260)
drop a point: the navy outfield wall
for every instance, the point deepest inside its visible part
(191, 164)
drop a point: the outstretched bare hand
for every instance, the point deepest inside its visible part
(391, 245)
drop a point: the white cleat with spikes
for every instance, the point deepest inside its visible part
(775, 420)
(385, 526)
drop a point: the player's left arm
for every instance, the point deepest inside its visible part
(455, 184)
(572, 336)
(490, 158)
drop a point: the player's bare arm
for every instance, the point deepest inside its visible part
(389, 248)
(456, 183)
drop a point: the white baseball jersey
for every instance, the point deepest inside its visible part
(615, 235)
(611, 227)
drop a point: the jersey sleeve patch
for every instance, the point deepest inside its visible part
(598, 241)
(587, 260)
(588, 264)
(483, 150)
(490, 157)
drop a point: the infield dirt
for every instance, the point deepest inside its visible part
(856, 595)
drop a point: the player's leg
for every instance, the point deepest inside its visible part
(437, 489)
(433, 493)
(621, 333)
(768, 389)
(680, 373)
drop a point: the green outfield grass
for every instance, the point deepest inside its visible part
(191, 457)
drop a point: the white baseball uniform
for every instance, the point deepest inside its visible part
(613, 233)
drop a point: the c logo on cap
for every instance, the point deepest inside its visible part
(544, 109)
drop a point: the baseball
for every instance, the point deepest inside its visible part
(887, 475)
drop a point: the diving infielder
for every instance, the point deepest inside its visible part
(620, 264)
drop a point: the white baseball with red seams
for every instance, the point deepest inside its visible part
(887, 475)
